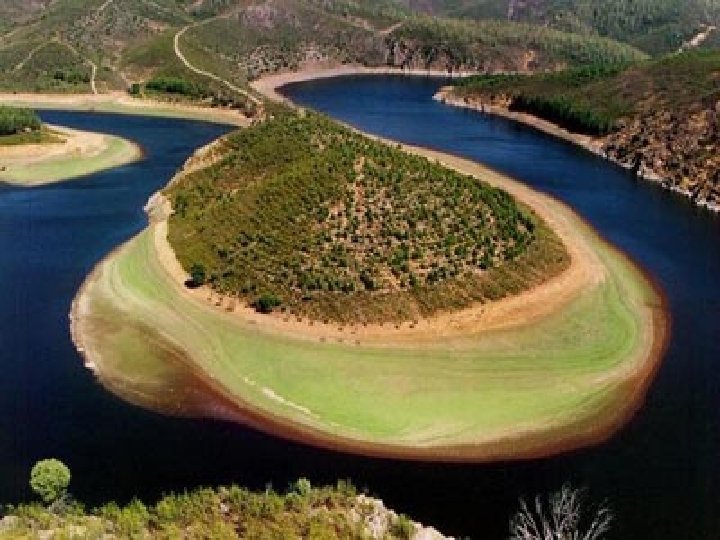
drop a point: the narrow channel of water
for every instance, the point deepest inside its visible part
(660, 473)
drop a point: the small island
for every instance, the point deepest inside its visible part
(33, 153)
(312, 282)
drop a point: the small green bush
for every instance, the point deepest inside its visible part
(49, 479)
(267, 303)
(15, 120)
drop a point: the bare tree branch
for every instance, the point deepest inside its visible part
(562, 517)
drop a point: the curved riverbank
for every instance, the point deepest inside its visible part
(270, 85)
(76, 153)
(122, 103)
(592, 144)
(508, 392)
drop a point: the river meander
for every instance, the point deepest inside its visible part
(659, 472)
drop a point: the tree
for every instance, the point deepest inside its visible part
(49, 479)
(562, 517)
(198, 275)
(267, 303)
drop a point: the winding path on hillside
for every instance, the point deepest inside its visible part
(191, 67)
(698, 39)
(93, 66)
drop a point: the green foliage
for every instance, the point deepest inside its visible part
(302, 487)
(176, 85)
(655, 26)
(224, 513)
(198, 275)
(49, 479)
(16, 120)
(308, 215)
(402, 527)
(50, 66)
(267, 303)
(502, 45)
(595, 99)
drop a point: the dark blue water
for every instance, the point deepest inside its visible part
(660, 473)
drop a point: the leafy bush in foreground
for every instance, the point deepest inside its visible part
(303, 511)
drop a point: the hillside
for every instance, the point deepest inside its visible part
(225, 513)
(351, 230)
(104, 45)
(659, 118)
(655, 26)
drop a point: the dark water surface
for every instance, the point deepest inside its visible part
(661, 472)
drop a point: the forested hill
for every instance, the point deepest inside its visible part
(655, 26)
(661, 116)
(57, 46)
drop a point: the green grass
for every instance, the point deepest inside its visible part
(118, 152)
(560, 375)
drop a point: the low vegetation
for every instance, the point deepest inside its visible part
(659, 116)
(308, 216)
(302, 511)
(15, 120)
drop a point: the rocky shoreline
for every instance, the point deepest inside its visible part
(612, 147)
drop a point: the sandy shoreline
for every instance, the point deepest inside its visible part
(524, 442)
(592, 144)
(78, 154)
(270, 85)
(122, 103)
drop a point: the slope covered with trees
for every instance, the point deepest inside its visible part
(655, 26)
(659, 117)
(310, 217)
(102, 45)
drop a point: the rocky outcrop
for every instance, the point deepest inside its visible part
(680, 150)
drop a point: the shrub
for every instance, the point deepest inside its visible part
(402, 528)
(198, 275)
(49, 479)
(267, 303)
(15, 120)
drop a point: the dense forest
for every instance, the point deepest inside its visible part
(655, 26)
(311, 218)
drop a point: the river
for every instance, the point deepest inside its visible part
(659, 473)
